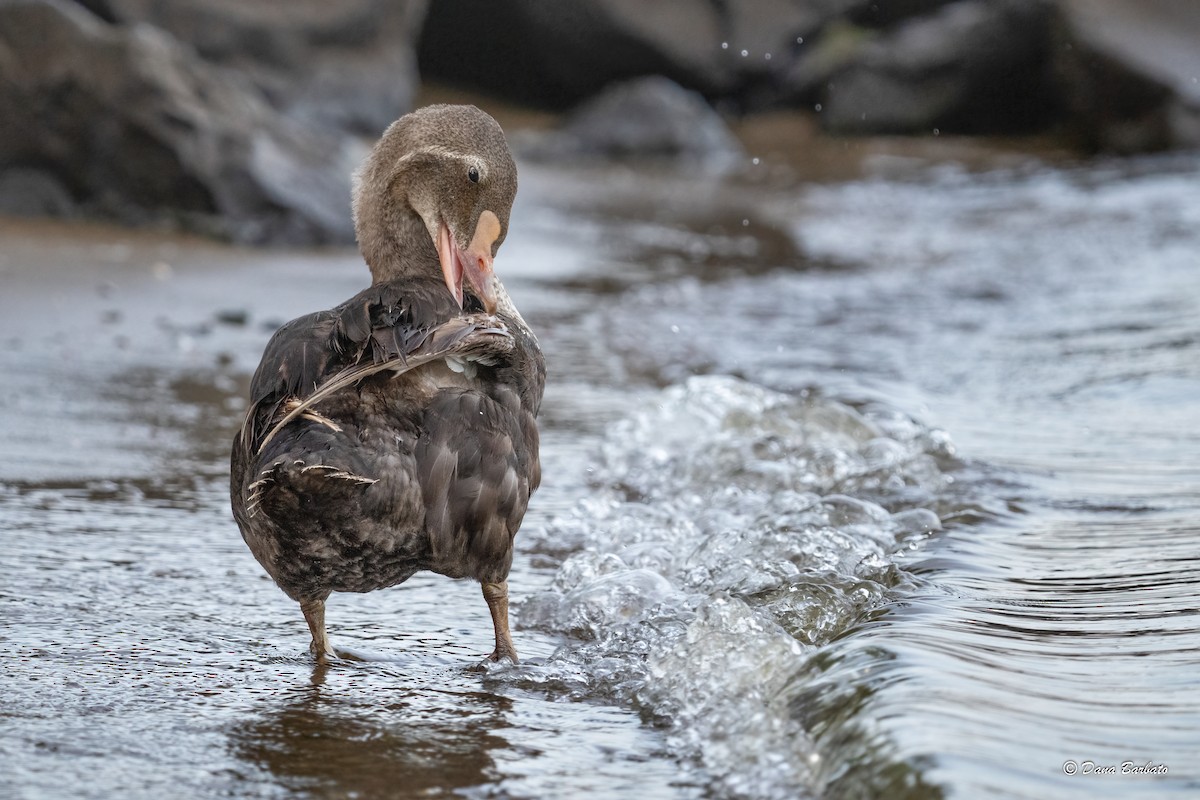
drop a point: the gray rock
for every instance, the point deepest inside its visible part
(1121, 75)
(881, 15)
(26, 192)
(764, 36)
(1130, 73)
(133, 126)
(346, 65)
(556, 54)
(645, 118)
(973, 66)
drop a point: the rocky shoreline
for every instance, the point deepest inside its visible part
(244, 121)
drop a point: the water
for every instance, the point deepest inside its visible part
(883, 487)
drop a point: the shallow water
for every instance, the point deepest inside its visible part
(878, 488)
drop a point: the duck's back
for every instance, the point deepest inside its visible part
(407, 442)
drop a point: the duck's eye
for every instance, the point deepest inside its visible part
(473, 174)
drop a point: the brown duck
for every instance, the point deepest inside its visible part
(396, 432)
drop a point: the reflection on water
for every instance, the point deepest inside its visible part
(876, 489)
(406, 744)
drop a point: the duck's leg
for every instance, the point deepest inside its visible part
(314, 615)
(496, 595)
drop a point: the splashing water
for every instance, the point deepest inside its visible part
(734, 529)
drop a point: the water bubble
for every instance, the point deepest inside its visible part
(745, 53)
(754, 161)
(799, 40)
(817, 107)
(937, 132)
(724, 45)
(745, 223)
(767, 56)
(674, 329)
(749, 526)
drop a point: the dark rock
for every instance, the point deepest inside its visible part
(135, 127)
(555, 54)
(650, 117)
(977, 66)
(762, 40)
(1121, 75)
(347, 65)
(885, 14)
(28, 192)
(1130, 73)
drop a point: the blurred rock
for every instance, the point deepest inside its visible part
(977, 66)
(555, 55)
(133, 126)
(761, 38)
(28, 192)
(240, 119)
(647, 118)
(1121, 75)
(875, 14)
(1130, 71)
(346, 65)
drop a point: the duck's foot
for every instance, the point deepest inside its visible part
(499, 654)
(323, 654)
(496, 595)
(314, 615)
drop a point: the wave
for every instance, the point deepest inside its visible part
(733, 531)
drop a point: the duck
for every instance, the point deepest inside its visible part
(397, 431)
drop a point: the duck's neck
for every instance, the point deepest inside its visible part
(395, 243)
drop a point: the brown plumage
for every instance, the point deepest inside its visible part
(396, 432)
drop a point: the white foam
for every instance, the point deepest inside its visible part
(732, 531)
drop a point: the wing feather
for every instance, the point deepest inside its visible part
(463, 336)
(386, 327)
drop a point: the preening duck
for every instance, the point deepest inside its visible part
(397, 432)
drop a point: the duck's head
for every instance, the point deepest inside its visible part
(437, 191)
